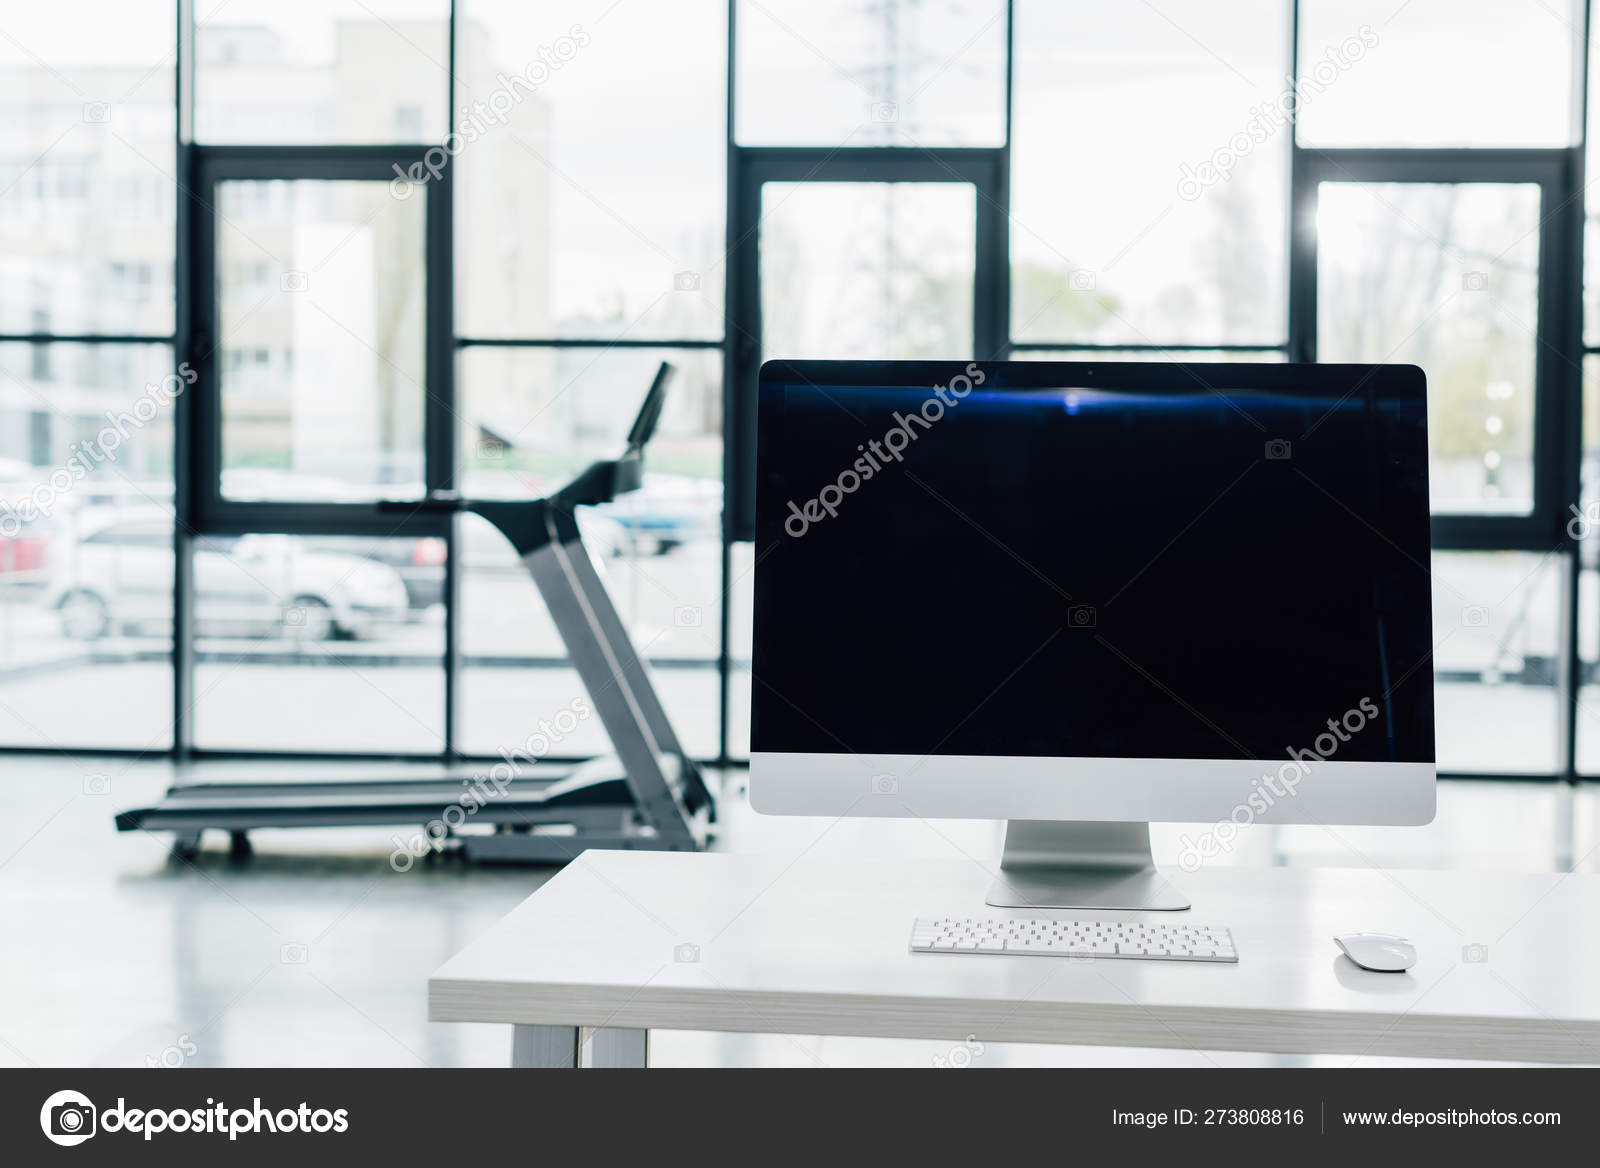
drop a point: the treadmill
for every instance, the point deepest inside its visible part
(647, 795)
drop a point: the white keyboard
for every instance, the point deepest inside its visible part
(1137, 940)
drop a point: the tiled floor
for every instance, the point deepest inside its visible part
(314, 952)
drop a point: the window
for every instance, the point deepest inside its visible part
(346, 296)
(531, 419)
(867, 270)
(87, 113)
(1438, 72)
(311, 71)
(590, 188)
(1150, 174)
(1583, 526)
(846, 73)
(290, 627)
(1443, 276)
(410, 272)
(86, 546)
(1496, 639)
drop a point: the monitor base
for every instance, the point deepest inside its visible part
(1049, 864)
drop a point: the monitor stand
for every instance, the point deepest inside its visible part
(1066, 864)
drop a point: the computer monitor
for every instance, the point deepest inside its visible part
(1082, 597)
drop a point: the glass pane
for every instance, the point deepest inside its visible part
(588, 182)
(1149, 178)
(86, 164)
(290, 629)
(1583, 524)
(316, 71)
(1591, 239)
(871, 72)
(86, 545)
(1438, 72)
(1444, 277)
(320, 289)
(867, 270)
(741, 599)
(531, 419)
(1496, 621)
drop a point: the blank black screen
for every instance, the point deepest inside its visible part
(1137, 562)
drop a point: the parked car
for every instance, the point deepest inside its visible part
(668, 512)
(117, 575)
(23, 556)
(24, 543)
(418, 562)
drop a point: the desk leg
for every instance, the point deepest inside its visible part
(614, 1047)
(544, 1046)
(570, 1047)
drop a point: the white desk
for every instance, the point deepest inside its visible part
(623, 942)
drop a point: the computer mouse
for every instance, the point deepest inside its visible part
(1378, 951)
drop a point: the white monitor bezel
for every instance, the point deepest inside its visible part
(1109, 789)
